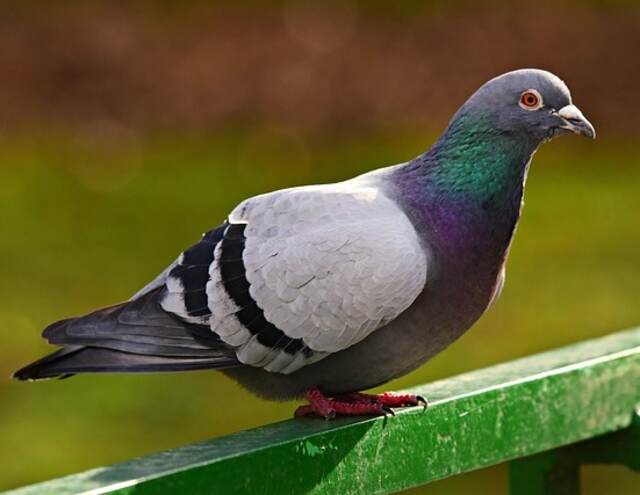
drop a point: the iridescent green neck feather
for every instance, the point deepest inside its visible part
(467, 189)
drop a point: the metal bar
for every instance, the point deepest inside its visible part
(476, 420)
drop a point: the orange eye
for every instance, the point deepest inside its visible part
(530, 100)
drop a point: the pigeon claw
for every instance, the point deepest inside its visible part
(355, 404)
(388, 410)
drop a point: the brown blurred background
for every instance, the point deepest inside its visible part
(315, 66)
(128, 128)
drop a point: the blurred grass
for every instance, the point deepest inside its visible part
(87, 222)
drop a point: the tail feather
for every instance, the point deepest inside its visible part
(34, 370)
(71, 360)
(136, 336)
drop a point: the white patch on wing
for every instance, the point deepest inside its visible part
(223, 319)
(173, 300)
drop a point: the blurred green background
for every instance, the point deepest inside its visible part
(127, 131)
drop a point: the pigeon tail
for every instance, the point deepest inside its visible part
(135, 336)
(71, 360)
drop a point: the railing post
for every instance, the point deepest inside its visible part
(557, 472)
(543, 474)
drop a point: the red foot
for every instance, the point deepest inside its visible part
(355, 404)
(390, 399)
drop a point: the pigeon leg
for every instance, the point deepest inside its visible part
(356, 404)
(389, 399)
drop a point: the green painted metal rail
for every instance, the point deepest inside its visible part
(547, 414)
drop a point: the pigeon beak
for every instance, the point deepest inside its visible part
(574, 121)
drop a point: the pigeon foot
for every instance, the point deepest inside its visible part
(355, 404)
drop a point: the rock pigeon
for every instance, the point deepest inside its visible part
(327, 290)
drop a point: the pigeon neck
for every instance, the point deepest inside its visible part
(466, 191)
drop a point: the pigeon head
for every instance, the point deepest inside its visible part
(476, 171)
(530, 103)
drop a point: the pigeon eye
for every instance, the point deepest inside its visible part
(530, 100)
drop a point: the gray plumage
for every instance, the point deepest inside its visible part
(340, 286)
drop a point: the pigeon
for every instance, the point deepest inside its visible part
(323, 291)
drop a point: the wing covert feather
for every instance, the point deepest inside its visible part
(330, 265)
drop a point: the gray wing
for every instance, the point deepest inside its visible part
(302, 273)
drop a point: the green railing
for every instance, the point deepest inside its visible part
(546, 415)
